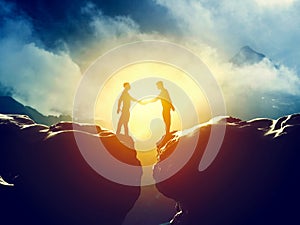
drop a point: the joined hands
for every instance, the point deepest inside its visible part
(142, 102)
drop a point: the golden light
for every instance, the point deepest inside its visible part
(146, 125)
(194, 92)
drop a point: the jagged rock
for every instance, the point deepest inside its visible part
(255, 178)
(45, 180)
(63, 126)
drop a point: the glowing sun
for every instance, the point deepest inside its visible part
(146, 125)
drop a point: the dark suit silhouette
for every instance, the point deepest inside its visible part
(166, 103)
(124, 100)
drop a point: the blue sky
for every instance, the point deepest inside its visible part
(46, 45)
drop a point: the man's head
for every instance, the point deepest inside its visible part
(126, 86)
(159, 85)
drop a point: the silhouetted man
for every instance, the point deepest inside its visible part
(166, 103)
(124, 100)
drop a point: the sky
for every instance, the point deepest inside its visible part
(45, 47)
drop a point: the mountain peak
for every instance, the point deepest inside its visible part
(247, 56)
(9, 105)
(246, 48)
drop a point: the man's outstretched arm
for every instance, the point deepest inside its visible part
(172, 107)
(133, 99)
(150, 100)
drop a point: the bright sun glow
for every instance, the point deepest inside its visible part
(146, 119)
(146, 125)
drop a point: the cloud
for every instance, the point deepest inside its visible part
(47, 79)
(106, 32)
(264, 89)
(259, 90)
(275, 3)
(227, 25)
(31, 74)
(118, 25)
(215, 31)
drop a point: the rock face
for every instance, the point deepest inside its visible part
(254, 180)
(45, 180)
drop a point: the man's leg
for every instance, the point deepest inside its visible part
(125, 122)
(126, 129)
(167, 120)
(119, 127)
(120, 123)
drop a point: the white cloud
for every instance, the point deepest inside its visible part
(248, 90)
(275, 3)
(107, 33)
(45, 80)
(194, 20)
(260, 90)
(215, 30)
(228, 25)
(107, 28)
(39, 78)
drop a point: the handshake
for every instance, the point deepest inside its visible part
(143, 102)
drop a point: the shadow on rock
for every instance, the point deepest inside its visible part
(50, 181)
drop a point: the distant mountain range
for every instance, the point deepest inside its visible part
(9, 105)
(247, 56)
